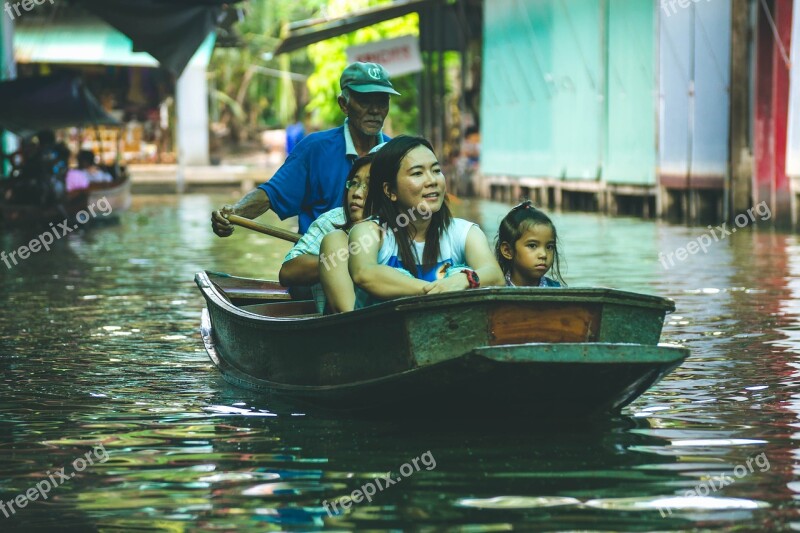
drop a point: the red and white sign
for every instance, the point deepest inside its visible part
(398, 56)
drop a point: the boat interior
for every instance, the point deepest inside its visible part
(292, 309)
(264, 298)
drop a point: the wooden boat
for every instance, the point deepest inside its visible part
(487, 351)
(28, 105)
(116, 193)
(464, 351)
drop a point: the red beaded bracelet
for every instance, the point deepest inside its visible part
(472, 278)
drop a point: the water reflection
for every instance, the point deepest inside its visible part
(99, 344)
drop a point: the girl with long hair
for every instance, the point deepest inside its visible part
(527, 248)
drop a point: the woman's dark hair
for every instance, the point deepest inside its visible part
(358, 164)
(515, 223)
(385, 168)
(46, 137)
(85, 159)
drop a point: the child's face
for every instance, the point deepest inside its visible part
(357, 193)
(532, 255)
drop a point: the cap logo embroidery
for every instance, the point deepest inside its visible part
(375, 73)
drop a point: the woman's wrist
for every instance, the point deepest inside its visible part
(473, 281)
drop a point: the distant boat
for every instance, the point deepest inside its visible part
(116, 193)
(29, 105)
(488, 352)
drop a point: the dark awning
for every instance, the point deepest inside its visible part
(28, 105)
(306, 32)
(169, 30)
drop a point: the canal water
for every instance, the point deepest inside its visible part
(112, 417)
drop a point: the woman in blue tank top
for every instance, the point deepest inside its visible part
(411, 244)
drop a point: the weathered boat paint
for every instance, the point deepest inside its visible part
(441, 347)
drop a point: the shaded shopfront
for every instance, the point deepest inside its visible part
(146, 59)
(129, 84)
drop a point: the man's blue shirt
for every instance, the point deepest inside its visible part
(311, 180)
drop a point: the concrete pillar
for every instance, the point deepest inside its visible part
(191, 107)
(516, 192)
(693, 197)
(662, 202)
(557, 197)
(611, 203)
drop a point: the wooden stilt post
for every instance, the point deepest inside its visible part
(740, 175)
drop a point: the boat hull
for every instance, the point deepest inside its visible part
(486, 350)
(99, 202)
(117, 196)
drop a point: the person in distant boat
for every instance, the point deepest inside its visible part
(411, 244)
(87, 162)
(301, 267)
(311, 180)
(45, 169)
(527, 248)
(79, 179)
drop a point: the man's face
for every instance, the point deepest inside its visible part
(366, 111)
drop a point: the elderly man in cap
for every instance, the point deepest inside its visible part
(311, 180)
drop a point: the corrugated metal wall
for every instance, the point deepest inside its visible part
(631, 82)
(577, 88)
(712, 74)
(516, 117)
(793, 147)
(569, 85)
(694, 79)
(675, 80)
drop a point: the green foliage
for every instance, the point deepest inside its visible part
(248, 100)
(330, 58)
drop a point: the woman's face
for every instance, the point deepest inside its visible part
(420, 182)
(357, 193)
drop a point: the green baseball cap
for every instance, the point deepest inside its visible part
(366, 78)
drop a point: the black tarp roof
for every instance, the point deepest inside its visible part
(169, 30)
(28, 105)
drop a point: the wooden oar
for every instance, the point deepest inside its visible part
(262, 228)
